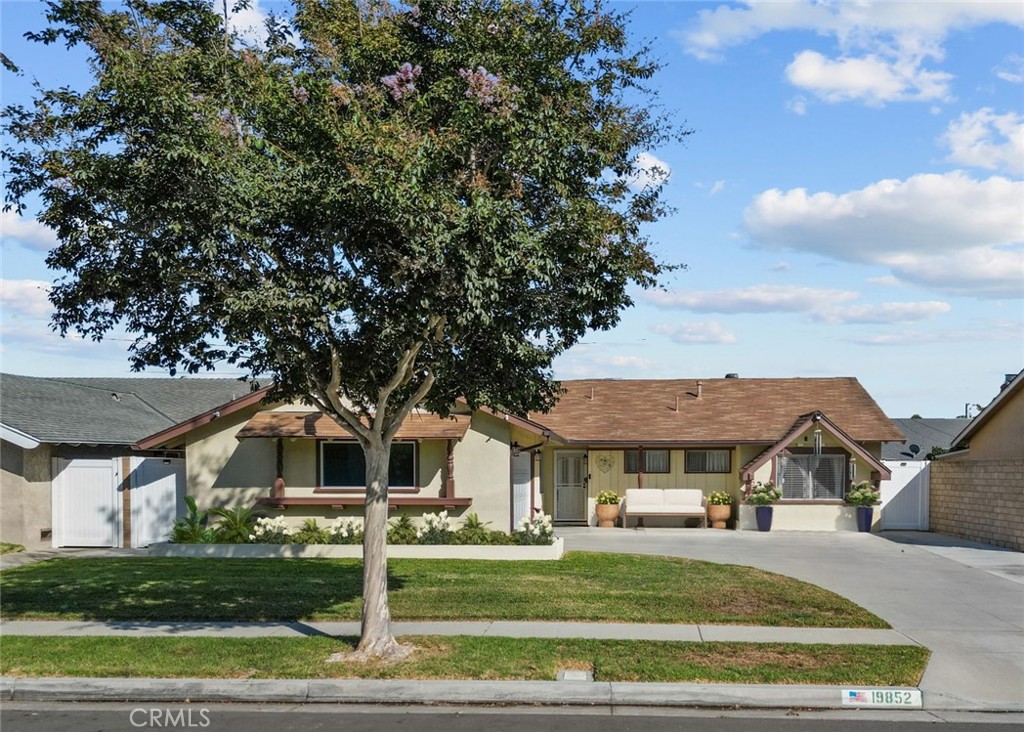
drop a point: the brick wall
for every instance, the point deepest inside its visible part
(979, 500)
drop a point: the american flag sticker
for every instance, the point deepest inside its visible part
(855, 697)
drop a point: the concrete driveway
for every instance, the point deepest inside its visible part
(964, 601)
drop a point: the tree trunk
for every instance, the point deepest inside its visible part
(377, 640)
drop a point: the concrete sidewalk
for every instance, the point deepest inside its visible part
(610, 631)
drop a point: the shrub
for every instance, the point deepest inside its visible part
(191, 529)
(763, 494)
(475, 531)
(608, 498)
(537, 530)
(271, 531)
(402, 531)
(311, 533)
(344, 531)
(863, 494)
(235, 524)
(720, 498)
(436, 529)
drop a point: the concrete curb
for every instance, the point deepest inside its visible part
(441, 693)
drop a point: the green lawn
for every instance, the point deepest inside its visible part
(6, 548)
(580, 587)
(463, 657)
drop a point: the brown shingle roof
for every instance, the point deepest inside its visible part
(728, 410)
(315, 425)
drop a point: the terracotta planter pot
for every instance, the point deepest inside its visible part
(719, 515)
(607, 514)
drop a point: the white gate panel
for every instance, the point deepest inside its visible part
(522, 479)
(86, 509)
(158, 498)
(905, 496)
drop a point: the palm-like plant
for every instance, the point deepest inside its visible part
(235, 524)
(191, 529)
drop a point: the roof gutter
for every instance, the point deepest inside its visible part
(17, 437)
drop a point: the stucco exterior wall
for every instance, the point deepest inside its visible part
(979, 500)
(1002, 436)
(807, 517)
(25, 495)
(225, 471)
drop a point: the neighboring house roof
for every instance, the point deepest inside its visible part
(710, 411)
(105, 411)
(1013, 386)
(927, 434)
(314, 425)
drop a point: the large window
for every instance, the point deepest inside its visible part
(708, 461)
(654, 461)
(811, 477)
(342, 465)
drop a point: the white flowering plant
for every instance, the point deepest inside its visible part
(763, 494)
(435, 529)
(864, 494)
(271, 531)
(344, 531)
(536, 530)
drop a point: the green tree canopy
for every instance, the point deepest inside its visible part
(381, 206)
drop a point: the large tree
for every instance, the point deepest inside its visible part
(382, 206)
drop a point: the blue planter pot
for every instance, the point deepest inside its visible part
(764, 517)
(864, 516)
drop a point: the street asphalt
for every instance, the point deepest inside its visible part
(964, 601)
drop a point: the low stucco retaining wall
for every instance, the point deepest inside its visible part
(807, 517)
(355, 551)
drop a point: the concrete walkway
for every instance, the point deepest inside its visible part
(962, 600)
(20, 559)
(612, 631)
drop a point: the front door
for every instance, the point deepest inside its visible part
(570, 486)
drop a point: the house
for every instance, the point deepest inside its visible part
(977, 490)
(905, 494)
(813, 437)
(69, 471)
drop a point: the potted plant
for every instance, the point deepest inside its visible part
(863, 495)
(607, 509)
(719, 509)
(762, 496)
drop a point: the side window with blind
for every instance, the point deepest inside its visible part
(655, 461)
(708, 461)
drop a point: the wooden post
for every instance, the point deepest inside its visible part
(449, 481)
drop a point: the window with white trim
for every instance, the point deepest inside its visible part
(655, 461)
(811, 477)
(709, 461)
(342, 465)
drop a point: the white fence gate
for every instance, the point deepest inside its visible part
(905, 495)
(86, 505)
(158, 498)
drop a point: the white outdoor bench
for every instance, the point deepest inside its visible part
(683, 502)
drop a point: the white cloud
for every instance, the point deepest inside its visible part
(717, 187)
(797, 105)
(883, 46)
(871, 79)
(883, 313)
(648, 171)
(1004, 330)
(984, 139)
(248, 22)
(27, 232)
(26, 297)
(630, 362)
(753, 299)
(700, 332)
(1011, 69)
(886, 281)
(949, 232)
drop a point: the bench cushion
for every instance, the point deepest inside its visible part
(644, 497)
(666, 510)
(684, 496)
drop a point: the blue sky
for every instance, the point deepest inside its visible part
(851, 203)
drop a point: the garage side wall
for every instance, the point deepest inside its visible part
(25, 506)
(979, 500)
